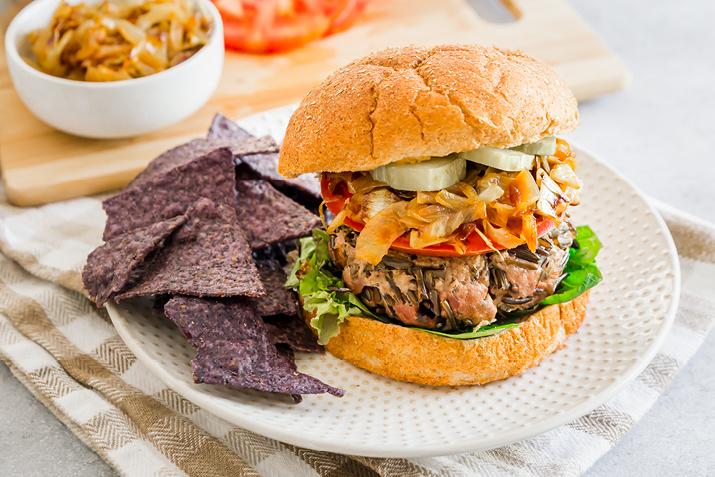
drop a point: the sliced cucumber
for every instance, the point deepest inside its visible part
(429, 175)
(504, 159)
(543, 147)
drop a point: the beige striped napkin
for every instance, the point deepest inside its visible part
(68, 355)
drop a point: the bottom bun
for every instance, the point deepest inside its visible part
(411, 355)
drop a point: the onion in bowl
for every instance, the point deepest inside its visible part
(112, 109)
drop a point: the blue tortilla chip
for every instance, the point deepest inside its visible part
(223, 128)
(207, 256)
(278, 299)
(115, 265)
(293, 332)
(238, 140)
(254, 164)
(304, 189)
(234, 348)
(172, 193)
(269, 217)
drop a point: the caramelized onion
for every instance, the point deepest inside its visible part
(524, 191)
(424, 198)
(500, 213)
(500, 178)
(374, 202)
(497, 208)
(363, 183)
(337, 221)
(451, 200)
(419, 215)
(563, 174)
(491, 192)
(419, 240)
(550, 195)
(375, 240)
(466, 190)
(448, 222)
(528, 231)
(114, 40)
(501, 236)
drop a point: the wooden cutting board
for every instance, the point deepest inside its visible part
(42, 165)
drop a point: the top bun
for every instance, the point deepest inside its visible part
(418, 102)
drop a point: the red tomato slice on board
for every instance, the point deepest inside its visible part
(342, 13)
(271, 26)
(475, 244)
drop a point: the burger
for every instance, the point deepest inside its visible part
(447, 256)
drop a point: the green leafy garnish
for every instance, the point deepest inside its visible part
(325, 296)
(586, 248)
(487, 330)
(581, 269)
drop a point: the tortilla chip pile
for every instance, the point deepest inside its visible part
(204, 229)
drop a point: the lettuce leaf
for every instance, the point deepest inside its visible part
(325, 296)
(582, 271)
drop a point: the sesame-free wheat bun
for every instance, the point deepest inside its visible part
(446, 259)
(411, 355)
(425, 102)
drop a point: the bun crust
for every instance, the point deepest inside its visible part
(414, 356)
(415, 102)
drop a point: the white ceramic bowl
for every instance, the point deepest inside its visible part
(117, 108)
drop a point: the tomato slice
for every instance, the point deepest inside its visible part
(270, 26)
(281, 37)
(342, 13)
(334, 198)
(335, 201)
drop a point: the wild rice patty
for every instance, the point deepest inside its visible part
(520, 278)
(453, 293)
(431, 292)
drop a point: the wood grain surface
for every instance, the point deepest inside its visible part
(40, 164)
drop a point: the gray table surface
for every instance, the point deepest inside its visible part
(658, 132)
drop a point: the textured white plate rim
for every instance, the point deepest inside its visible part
(206, 402)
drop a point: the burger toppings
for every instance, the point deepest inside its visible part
(543, 147)
(461, 246)
(503, 159)
(488, 209)
(461, 297)
(432, 174)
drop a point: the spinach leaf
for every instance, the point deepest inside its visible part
(582, 271)
(487, 330)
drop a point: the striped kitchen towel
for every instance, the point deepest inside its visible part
(69, 356)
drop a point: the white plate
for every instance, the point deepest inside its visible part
(629, 314)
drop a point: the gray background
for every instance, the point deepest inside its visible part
(658, 132)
